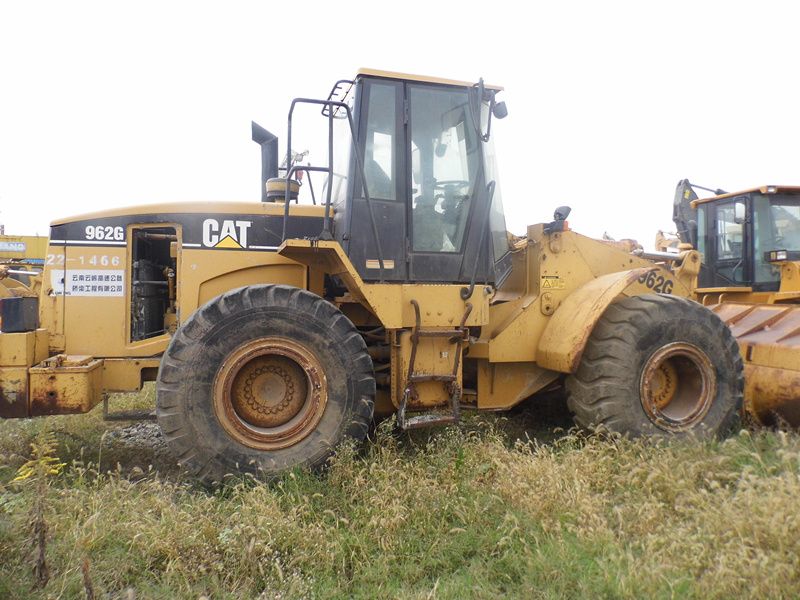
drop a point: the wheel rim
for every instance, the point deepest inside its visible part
(270, 393)
(677, 386)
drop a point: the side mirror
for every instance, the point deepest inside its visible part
(559, 222)
(561, 213)
(739, 212)
(499, 110)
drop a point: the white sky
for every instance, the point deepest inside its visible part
(610, 103)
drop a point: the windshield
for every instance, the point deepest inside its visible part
(776, 226)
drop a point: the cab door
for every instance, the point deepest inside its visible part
(727, 245)
(381, 141)
(423, 162)
(446, 183)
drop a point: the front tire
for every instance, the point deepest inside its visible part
(263, 379)
(658, 365)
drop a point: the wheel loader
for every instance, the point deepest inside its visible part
(749, 242)
(276, 329)
(21, 256)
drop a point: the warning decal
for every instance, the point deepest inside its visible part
(552, 282)
(88, 282)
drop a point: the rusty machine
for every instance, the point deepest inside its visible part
(275, 329)
(750, 276)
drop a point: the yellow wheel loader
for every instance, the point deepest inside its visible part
(276, 329)
(750, 276)
(21, 256)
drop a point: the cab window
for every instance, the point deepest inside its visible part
(380, 157)
(444, 159)
(776, 226)
(730, 238)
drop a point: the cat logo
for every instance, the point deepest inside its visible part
(231, 234)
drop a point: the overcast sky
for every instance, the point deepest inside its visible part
(106, 104)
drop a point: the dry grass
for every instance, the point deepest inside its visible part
(470, 512)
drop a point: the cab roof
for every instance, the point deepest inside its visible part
(764, 189)
(364, 72)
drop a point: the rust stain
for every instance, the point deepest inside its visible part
(49, 403)
(13, 401)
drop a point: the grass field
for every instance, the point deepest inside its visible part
(501, 507)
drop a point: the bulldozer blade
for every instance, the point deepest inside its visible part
(769, 340)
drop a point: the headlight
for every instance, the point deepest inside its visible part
(778, 255)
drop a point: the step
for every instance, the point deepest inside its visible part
(440, 333)
(442, 378)
(429, 419)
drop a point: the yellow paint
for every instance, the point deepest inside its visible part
(530, 331)
(435, 356)
(764, 189)
(244, 208)
(125, 374)
(13, 391)
(17, 349)
(22, 247)
(504, 385)
(200, 285)
(440, 304)
(562, 342)
(41, 346)
(552, 282)
(227, 242)
(74, 387)
(517, 324)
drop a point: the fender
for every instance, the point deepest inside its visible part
(564, 338)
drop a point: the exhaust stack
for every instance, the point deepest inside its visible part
(269, 155)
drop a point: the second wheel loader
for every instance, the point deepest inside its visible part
(276, 329)
(750, 276)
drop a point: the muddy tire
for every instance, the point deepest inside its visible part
(658, 366)
(263, 379)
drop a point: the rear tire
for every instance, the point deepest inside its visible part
(263, 379)
(658, 365)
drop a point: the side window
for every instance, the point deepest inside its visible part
(776, 226)
(497, 219)
(730, 267)
(786, 216)
(380, 160)
(342, 149)
(730, 238)
(702, 234)
(765, 235)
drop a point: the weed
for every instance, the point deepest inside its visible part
(36, 473)
(489, 509)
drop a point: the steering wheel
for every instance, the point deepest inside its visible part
(449, 186)
(447, 199)
(451, 183)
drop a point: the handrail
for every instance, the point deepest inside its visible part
(326, 233)
(287, 200)
(339, 85)
(466, 292)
